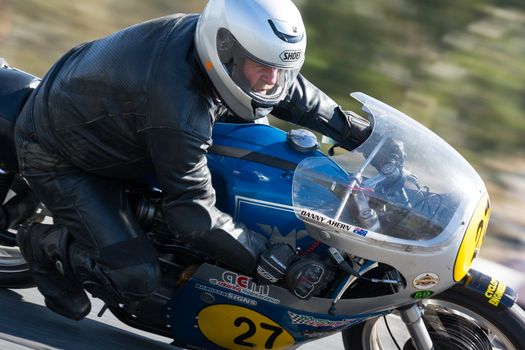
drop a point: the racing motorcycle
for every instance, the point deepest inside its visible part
(395, 223)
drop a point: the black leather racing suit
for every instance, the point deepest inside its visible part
(129, 104)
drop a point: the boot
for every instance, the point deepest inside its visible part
(45, 249)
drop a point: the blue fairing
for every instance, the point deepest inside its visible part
(252, 169)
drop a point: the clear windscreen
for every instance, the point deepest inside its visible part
(403, 182)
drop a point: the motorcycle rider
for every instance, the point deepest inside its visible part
(145, 99)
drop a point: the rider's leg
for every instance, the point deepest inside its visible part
(45, 248)
(110, 249)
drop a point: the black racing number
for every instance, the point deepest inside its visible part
(276, 331)
(240, 340)
(252, 329)
(479, 231)
(481, 227)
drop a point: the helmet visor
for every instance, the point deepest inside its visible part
(264, 82)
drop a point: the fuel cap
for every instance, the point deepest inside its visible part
(302, 140)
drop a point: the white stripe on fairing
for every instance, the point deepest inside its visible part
(260, 203)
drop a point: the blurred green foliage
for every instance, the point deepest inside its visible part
(456, 66)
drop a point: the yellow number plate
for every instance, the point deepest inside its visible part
(236, 327)
(473, 238)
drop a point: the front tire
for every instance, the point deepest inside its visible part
(455, 319)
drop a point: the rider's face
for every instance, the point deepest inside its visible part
(260, 77)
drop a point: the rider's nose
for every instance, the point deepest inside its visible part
(270, 76)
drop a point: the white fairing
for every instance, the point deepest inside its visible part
(422, 211)
(270, 32)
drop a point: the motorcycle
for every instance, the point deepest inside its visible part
(395, 223)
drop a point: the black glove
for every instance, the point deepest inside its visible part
(307, 277)
(392, 151)
(389, 162)
(358, 132)
(274, 262)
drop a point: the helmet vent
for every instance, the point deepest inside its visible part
(294, 33)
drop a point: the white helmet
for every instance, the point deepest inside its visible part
(252, 50)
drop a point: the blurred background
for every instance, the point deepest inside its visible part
(457, 66)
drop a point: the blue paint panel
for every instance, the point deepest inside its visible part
(197, 294)
(258, 195)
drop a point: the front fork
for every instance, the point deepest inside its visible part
(412, 317)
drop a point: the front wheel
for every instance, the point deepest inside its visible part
(454, 319)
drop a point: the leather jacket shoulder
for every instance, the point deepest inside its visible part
(104, 94)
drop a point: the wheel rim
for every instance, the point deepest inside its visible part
(450, 325)
(11, 260)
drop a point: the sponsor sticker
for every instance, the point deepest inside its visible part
(231, 296)
(422, 294)
(312, 321)
(262, 271)
(341, 226)
(291, 55)
(495, 291)
(360, 231)
(244, 285)
(426, 280)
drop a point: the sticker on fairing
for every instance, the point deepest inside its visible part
(245, 285)
(229, 295)
(236, 327)
(326, 221)
(426, 280)
(422, 294)
(312, 321)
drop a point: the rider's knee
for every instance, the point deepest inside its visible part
(137, 280)
(132, 267)
(124, 271)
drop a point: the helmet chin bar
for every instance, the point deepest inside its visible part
(260, 110)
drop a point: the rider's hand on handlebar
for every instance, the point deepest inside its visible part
(392, 151)
(359, 129)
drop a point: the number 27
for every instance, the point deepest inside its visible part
(252, 329)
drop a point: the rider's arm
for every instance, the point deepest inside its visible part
(308, 106)
(179, 158)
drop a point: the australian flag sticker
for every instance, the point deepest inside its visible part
(360, 231)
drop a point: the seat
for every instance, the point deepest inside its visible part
(15, 88)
